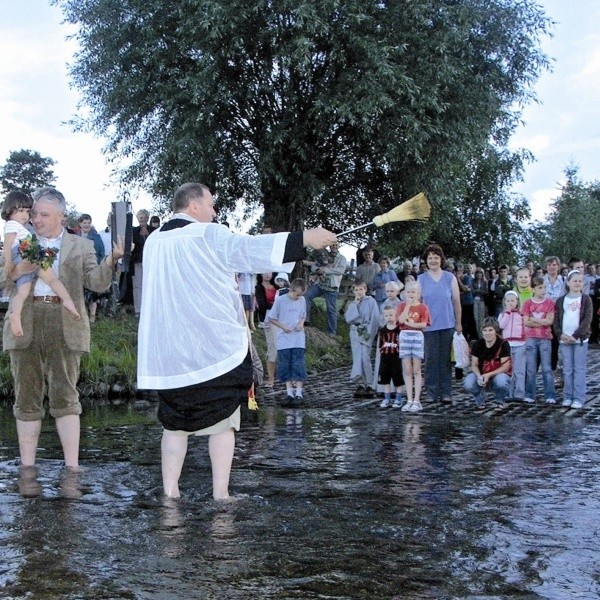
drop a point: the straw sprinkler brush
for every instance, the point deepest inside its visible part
(416, 208)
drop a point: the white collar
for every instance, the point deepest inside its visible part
(182, 215)
(50, 241)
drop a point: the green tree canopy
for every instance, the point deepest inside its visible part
(488, 227)
(573, 225)
(26, 170)
(322, 112)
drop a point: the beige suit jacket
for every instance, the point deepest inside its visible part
(77, 269)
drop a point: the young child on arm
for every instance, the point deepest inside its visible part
(15, 211)
(288, 315)
(413, 317)
(538, 317)
(511, 324)
(390, 365)
(362, 315)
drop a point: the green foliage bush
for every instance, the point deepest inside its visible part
(111, 365)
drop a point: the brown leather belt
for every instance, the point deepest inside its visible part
(47, 299)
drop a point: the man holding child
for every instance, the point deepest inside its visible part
(46, 358)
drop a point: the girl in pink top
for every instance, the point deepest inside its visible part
(511, 323)
(538, 317)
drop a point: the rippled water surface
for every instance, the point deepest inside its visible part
(338, 500)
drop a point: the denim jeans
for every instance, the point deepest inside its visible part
(438, 368)
(314, 291)
(517, 382)
(543, 348)
(574, 357)
(499, 383)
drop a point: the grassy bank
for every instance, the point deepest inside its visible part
(110, 368)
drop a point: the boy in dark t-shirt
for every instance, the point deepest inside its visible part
(390, 366)
(490, 365)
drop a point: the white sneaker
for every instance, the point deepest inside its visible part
(416, 407)
(529, 400)
(567, 402)
(576, 404)
(397, 404)
(384, 403)
(550, 401)
(407, 406)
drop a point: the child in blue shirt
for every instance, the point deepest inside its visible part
(362, 315)
(288, 315)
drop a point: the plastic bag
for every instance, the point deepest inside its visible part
(461, 350)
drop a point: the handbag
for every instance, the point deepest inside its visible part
(495, 363)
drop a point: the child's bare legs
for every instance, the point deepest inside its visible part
(173, 450)
(299, 388)
(17, 308)
(416, 369)
(407, 371)
(49, 276)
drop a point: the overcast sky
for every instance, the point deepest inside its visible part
(36, 103)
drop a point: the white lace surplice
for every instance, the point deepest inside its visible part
(192, 327)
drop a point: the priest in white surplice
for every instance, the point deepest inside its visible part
(193, 345)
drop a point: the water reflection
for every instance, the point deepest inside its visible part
(43, 539)
(334, 502)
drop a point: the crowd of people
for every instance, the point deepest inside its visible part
(516, 321)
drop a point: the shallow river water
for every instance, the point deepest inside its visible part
(337, 500)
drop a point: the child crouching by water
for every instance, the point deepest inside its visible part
(490, 365)
(413, 317)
